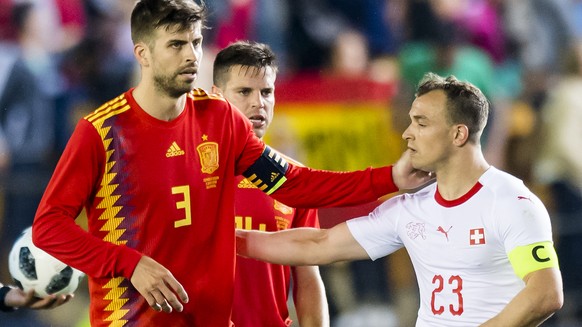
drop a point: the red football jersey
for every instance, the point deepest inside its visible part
(166, 190)
(261, 289)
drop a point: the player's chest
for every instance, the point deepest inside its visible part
(186, 153)
(464, 237)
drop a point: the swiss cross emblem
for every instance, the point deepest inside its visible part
(477, 236)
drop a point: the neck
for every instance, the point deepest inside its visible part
(460, 174)
(157, 104)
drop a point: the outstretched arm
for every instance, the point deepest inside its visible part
(300, 246)
(304, 187)
(541, 297)
(16, 298)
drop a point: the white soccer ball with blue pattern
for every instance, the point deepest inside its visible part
(32, 268)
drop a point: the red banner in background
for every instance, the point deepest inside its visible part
(336, 124)
(315, 88)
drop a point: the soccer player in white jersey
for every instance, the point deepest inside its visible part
(479, 239)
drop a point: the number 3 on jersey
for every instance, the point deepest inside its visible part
(183, 204)
(455, 284)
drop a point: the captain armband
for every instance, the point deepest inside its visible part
(529, 258)
(268, 172)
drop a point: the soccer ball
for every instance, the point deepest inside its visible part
(32, 268)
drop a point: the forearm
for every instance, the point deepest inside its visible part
(57, 235)
(300, 246)
(293, 247)
(520, 312)
(538, 301)
(309, 297)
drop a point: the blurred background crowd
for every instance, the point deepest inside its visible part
(347, 75)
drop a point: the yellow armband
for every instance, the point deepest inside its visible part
(533, 257)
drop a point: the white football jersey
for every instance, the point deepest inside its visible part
(459, 248)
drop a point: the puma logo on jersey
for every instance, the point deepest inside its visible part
(174, 151)
(446, 232)
(519, 197)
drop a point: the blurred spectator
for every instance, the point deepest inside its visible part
(7, 32)
(437, 44)
(73, 22)
(479, 21)
(29, 86)
(27, 99)
(349, 57)
(99, 67)
(237, 23)
(315, 25)
(559, 169)
(542, 31)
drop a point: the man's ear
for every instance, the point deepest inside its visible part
(216, 89)
(141, 53)
(461, 134)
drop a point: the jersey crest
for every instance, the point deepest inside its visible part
(477, 236)
(414, 230)
(208, 153)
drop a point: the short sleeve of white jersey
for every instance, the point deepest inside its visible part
(377, 232)
(522, 217)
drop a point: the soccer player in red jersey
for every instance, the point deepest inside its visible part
(155, 170)
(245, 74)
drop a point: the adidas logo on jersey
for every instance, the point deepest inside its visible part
(246, 184)
(174, 151)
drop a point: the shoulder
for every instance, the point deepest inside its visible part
(423, 195)
(201, 97)
(205, 101)
(109, 109)
(407, 203)
(502, 185)
(511, 197)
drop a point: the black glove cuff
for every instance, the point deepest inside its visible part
(3, 291)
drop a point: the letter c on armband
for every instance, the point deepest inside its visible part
(534, 253)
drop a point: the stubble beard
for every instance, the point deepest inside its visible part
(170, 86)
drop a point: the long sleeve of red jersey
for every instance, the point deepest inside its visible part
(312, 188)
(304, 187)
(71, 188)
